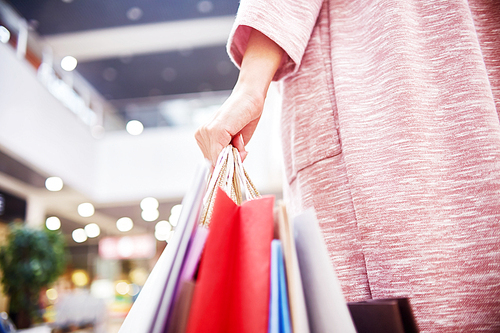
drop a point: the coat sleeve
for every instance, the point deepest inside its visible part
(288, 23)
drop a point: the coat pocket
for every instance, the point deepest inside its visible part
(309, 124)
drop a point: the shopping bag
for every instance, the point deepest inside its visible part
(230, 176)
(150, 311)
(326, 306)
(233, 286)
(177, 322)
(279, 313)
(298, 311)
(196, 245)
(179, 313)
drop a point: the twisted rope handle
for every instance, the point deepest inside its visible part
(230, 175)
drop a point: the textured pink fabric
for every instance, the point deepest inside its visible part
(390, 131)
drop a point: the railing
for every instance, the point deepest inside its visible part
(72, 90)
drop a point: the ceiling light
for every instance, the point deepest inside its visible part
(149, 203)
(92, 230)
(68, 63)
(205, 6)
(124, 224)
(175, 212)
(173, 219)
(79, 235)
(86, 209)
(134, 13)
(163, 235)
(54, 184)
(53, 223)
(163, 226)
(4, 34)
(150, 215)
(163, 231)
(134, 127)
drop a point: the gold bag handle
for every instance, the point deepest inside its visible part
(230, 175)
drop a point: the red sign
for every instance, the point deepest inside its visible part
(128, 247)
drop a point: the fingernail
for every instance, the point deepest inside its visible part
(243, 155)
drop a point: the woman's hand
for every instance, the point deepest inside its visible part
(234, 122)
(237, 118)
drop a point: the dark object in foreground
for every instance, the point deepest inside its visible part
(392, 315)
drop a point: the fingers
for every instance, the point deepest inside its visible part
(243, 155)
(239, 144)
(209, 145)
(234, 122)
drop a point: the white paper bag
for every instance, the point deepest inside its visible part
(149, 312)
(326, 307)
(298, 310)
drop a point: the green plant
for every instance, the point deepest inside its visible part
(30, 261)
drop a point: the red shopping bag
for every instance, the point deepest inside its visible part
(232, 291)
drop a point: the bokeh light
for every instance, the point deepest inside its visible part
(134, 127)
(68, 63)
(175, 212)
(53, 223)
(79, 235)
(124, 224)
(133, 289)
(51, 294)
(149, 203)
(102, 288)
(92, 230)
(54, 184)
(122, 288)
(163, 231)
(150, 215)
(4, 35)
(80, 278)
(86, 209)
(139, 276)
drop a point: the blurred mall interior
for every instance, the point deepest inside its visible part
(99, 102)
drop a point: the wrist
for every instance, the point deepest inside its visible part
(253, 91)
(260, 62)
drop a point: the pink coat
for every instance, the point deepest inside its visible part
(391, 133)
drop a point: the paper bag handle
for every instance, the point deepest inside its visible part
(230, 175)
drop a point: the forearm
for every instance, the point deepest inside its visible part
(237, 118)
(260, 62)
